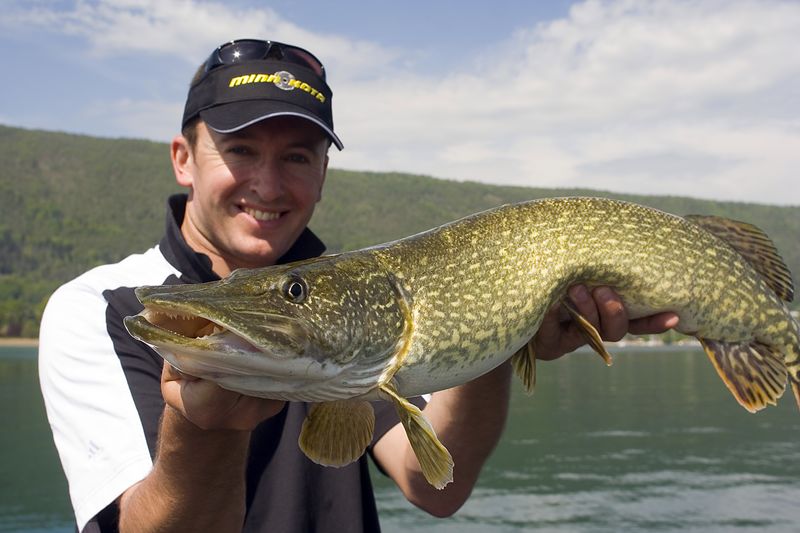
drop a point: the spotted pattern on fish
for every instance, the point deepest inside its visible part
(439, 308)
(481, 286)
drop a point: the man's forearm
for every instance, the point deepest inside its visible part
(197, 482)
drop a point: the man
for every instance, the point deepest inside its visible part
(146, 448)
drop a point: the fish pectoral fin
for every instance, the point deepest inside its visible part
(524, 363)
(433, 457)
(589, 332)
(796, 391)
(337, 433)
(753, 372)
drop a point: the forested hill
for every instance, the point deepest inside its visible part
(70, 202)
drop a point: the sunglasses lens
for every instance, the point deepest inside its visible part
(250, 49)
(301, 57)
(243, 51)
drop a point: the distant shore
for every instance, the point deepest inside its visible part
(18, 341)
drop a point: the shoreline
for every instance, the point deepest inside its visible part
(19, 341)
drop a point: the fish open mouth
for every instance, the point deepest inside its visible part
(178, 329)
(178, 326)
(274, 359)
(185, 325)
(227, 339)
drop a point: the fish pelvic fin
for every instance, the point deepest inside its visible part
(755, 246)
(337, 433)
(754, 373)
(589, 332)
(524, 363)
(433, 457)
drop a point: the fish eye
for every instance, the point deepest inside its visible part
(295, 290)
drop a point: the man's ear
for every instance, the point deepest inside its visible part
(182, 161)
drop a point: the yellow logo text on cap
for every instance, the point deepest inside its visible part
(283, 80)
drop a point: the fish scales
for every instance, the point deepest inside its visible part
(527, 255)
(442, 307)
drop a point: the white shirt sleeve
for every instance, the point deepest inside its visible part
(95, 424)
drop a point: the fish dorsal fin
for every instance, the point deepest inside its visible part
(524, 363)
(337, 433)
(433, 457)
(755, 246)
(754, 373)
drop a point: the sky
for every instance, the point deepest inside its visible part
(695, 98)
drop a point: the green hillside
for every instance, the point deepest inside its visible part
(70, 202)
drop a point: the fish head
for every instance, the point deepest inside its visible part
(315, 330)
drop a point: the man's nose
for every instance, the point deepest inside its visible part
(266, 181)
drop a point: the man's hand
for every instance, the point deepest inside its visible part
(559, 335)
(209, 406)
(198, 478)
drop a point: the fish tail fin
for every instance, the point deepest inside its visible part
(793, 366)
(793, 361)
(792, 358)
(755, 373)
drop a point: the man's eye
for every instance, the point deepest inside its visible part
(238, 150)
(297, 158)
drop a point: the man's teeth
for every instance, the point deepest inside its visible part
(261, 215)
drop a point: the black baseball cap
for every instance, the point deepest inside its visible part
(248, 80)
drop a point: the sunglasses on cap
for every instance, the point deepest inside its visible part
(253, 49)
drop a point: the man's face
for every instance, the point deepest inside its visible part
(253, 191)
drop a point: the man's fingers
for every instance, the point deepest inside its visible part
(209, 406)
(252, 411)
(170, 373)
(603, 309)
(613, 316)
(653, 324)
(557, 334)
(584, 303)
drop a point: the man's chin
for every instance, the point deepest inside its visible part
(254, 249)
(258, 256)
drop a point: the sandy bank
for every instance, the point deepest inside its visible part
(18, 341)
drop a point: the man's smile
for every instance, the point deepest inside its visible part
(262, 215)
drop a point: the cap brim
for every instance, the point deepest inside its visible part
(235, 116)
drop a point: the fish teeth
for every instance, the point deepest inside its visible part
(174, 316)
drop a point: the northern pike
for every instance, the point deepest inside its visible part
(442, 307)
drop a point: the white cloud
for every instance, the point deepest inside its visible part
(690, 97)
(671, 97)
(186, 30)
(182, 28)
(189, 29)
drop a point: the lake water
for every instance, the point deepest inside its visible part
(654, 443)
